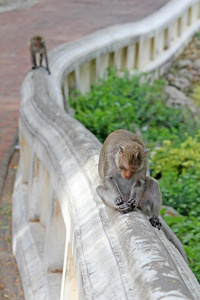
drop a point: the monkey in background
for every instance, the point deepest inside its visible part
(38, 47)
(123, 164)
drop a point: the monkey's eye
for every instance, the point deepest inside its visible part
(122, 168)
(135, 157)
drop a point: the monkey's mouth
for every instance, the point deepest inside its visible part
(127, 178)
(127, 175)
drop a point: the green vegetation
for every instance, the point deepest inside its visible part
(179, 168)
(135, 104)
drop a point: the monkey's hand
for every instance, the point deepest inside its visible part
(125, 208)
(132, 202)
(155, 222)
(119, 200)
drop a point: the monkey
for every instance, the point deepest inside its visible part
(38, 46)
(123, 164)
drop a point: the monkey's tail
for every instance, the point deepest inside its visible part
(173, 238)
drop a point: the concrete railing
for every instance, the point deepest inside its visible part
(68, 245)
(146, 45)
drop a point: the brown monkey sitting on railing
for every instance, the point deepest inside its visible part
(123, 164)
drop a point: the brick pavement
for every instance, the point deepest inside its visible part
(58, 21)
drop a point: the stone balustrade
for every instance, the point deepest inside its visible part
(68, 245)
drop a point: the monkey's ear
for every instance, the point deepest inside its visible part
(146, 150)
(121, 149)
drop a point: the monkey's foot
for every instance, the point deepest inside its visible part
(132, 202)
(125, 208)
(155, 222)
(119, 200)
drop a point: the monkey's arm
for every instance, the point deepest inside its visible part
(112, 197)
(111, 186)
(136, 192)
(110, 201)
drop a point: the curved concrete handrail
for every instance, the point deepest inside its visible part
(68, 245)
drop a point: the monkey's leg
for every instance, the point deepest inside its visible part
(46, 60)
(41, 57)
(151, 201)
(106, 196)
(136, 192)
(33, 59)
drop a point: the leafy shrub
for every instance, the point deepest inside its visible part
(179, 169)
(187, 230)
(134, 104)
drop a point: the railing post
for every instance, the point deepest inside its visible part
(145, 52)
(102, 64)
(44, 195)
(55, 237)
(83, 81)
(33, 186)
(118, 59)
(66, 94)
(25, 158)
(130, 63)
(68, 286)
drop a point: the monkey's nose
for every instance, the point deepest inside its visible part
(128, 175)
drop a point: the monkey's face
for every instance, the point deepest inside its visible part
(130, 159)
(126, 173)
(38, 42)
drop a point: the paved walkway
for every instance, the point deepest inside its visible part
(58, 21)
